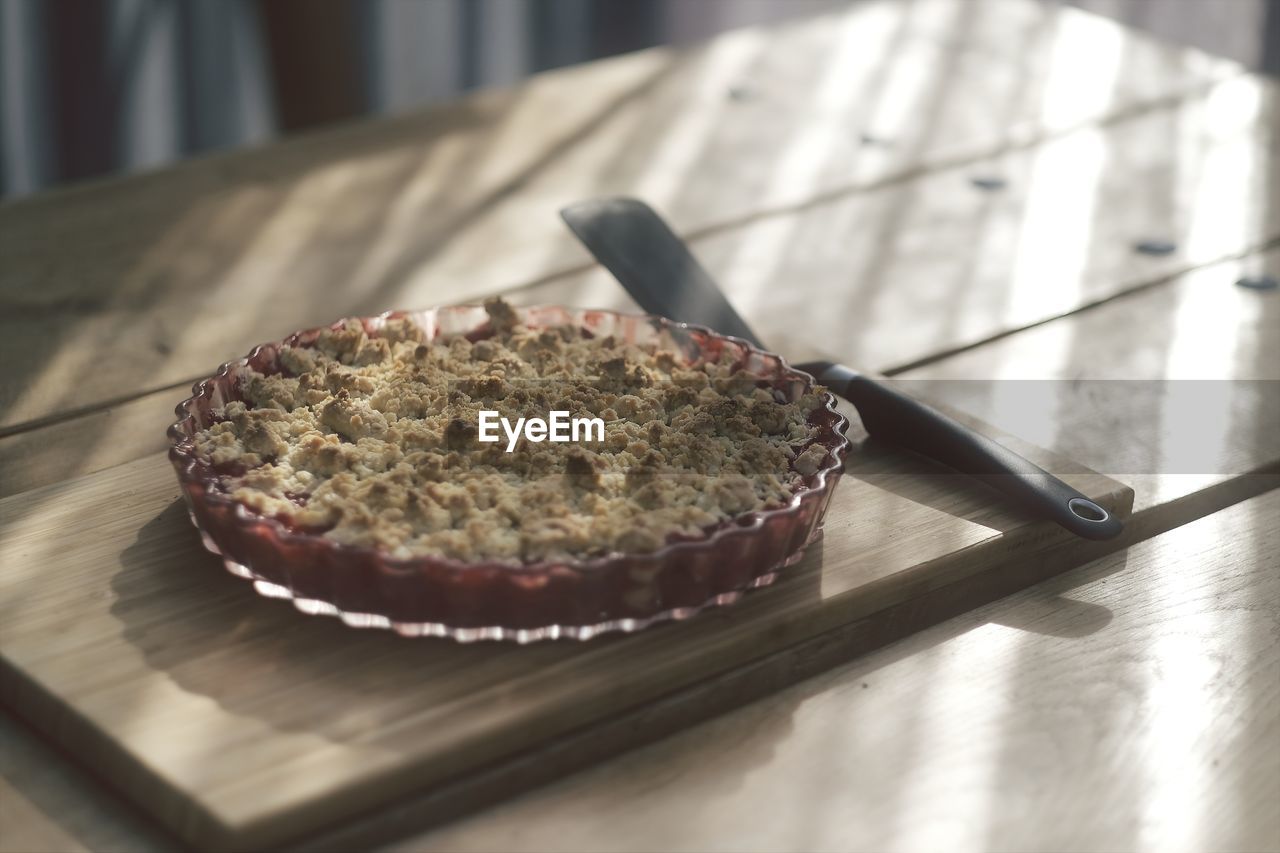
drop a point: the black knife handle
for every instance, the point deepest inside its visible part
(897, 418)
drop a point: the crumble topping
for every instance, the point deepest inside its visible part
(372, 440)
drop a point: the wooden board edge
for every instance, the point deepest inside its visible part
(81, 742)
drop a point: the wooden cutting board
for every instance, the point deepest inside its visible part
(238, 722)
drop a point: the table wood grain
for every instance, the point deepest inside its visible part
(904, 273)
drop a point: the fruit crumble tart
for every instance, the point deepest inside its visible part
(372, 440)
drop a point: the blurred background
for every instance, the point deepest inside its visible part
(90, 88)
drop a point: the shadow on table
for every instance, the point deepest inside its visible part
(216, 637)
(925, 482)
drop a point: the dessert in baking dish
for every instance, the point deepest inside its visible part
(355, 468)
(375, 441)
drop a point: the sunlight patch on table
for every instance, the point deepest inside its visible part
(979, 702)
(678, 152)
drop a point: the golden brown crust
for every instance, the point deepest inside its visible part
(374, 441)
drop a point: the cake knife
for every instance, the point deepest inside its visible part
(660, 272)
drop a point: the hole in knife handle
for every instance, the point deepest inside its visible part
(1087, 510)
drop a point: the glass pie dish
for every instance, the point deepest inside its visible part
(495, 599)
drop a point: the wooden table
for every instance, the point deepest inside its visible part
(1128, 703)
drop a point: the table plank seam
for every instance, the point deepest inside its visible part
(1167, 278)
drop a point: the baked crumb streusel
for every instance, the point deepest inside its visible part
(373, 441)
